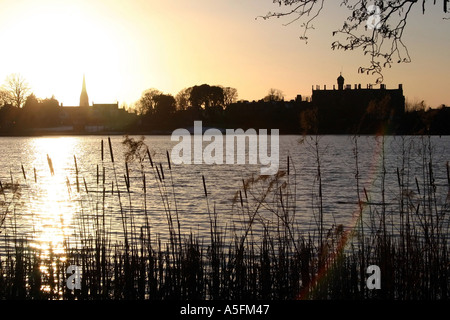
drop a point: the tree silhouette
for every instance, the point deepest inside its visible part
(183, 99)
(40, 112)
(147, 102)
(206, 96)
(9, 116)
(18, 88)
(31, 103)
(165, 104)
(230, 95)
(274, 95)
(5, 97)
(376, 27)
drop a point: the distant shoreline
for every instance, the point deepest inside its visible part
(168, 133)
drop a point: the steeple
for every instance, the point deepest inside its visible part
(340, 81)
(84, 100)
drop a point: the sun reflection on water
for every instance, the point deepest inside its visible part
(52, 201)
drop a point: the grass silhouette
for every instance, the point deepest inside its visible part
(268, 257)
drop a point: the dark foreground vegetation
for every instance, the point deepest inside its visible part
(269, 257)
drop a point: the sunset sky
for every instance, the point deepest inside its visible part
(125, 47)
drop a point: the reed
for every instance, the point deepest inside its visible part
(264, 255)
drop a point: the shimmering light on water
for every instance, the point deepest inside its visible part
(53, 210)
(51, 204)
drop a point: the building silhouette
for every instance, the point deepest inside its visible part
(84, 100)
(95, 118)
(355, 109)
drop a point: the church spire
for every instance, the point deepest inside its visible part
(84, 100)
(340, 81)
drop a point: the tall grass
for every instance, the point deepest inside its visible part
(265, 255)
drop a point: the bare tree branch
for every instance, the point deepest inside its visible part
(18, 89)
(309, 8)
(376, 27)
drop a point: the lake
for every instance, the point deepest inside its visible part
(53, 188)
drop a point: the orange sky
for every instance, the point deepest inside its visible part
(125, 47)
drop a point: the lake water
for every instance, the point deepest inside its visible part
(50, 208)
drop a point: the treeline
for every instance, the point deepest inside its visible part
(34, 113)
(20, 109)
(159, 111)
(431, 121)
(217, 106)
